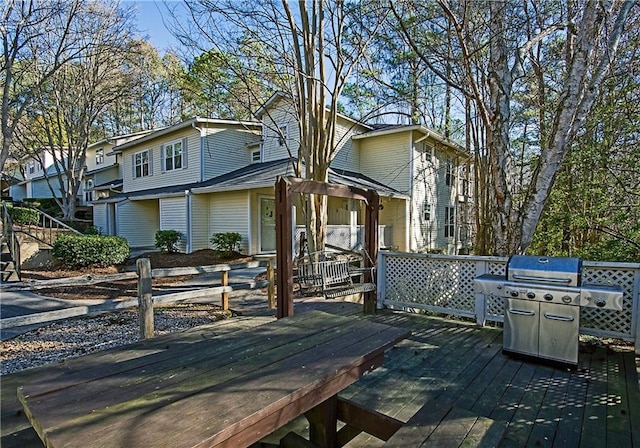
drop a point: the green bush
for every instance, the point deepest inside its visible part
(47, 205)
(24, 215)
(225, 243)
(90, 250)
(167, 240)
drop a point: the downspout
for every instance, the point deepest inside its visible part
(188, 197)
(201, 131)
(411, 184)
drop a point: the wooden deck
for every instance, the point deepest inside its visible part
(447, 380)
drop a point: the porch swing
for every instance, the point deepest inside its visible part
(332, 273)
(330, 276)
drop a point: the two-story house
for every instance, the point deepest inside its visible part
(207, 176)
(101, 175)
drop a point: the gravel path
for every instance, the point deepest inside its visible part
(76, 337)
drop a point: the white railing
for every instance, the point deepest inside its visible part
(445, 284)
(348, 237)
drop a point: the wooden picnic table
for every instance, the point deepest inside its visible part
(227, 390)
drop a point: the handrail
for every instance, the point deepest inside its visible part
(47, 229)
(12, 239)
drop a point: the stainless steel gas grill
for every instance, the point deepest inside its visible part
(542, 300)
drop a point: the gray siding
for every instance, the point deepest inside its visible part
(387, 159)
(173, 216)
(138, 222)
(200, 221)
(100, 218)
(158, 178)
(229, 212)
(225, 150)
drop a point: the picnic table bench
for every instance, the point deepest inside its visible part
(207, 390)
(332, 278)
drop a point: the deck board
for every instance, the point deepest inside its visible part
(455, 374)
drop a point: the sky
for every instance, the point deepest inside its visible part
(150, 22)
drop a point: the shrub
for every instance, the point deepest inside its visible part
(167, 240)
(24, 215)
(225, 243)
(90, 250)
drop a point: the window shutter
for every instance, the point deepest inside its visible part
(163, 158)
(184, 153)
(133, 165)
(150, 152)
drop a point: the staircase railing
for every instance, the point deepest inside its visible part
(10, 237)
(46, 230)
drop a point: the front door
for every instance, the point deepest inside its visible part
(267, 225)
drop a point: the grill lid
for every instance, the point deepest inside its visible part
(544, 270)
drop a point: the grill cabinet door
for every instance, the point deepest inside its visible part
(521, 326)
(559, 332)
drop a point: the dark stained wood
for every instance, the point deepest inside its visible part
(284, 251)
(367, 420)
(443, 367)
(284, 255)
(178, 401)
(323, 422)
(371, 248)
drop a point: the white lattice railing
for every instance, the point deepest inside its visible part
(445, 284)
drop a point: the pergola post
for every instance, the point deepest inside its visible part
(371, 247)
(284, 254)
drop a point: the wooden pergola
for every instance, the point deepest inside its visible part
(286, 188)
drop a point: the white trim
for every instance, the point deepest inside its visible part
(260, 198)
(250, 236)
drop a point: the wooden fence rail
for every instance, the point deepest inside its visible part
(144, 275)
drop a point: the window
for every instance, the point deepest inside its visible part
(255, 156)
(283, 134)
(449, 221)
(88, 190)
(32, 167)
(173, 154)
(426, 212)
(99, 156)
(141, 165)
(450, 174)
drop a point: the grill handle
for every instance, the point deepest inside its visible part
(522, 312)
(536, 278)
(560, 318)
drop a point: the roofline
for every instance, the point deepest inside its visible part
(184, 124)
(278, 95)
(408, 128)
(116, 137)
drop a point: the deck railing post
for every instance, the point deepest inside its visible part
(635, 311)
(145, 298)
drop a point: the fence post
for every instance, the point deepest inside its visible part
(271, 288)
(145, 298)
(481, 299)
(225, 295)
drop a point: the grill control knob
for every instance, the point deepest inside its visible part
(548, 296)
(566, 299)
(600, 303)
(514, 293)
(531, 295)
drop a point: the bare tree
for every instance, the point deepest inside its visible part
(37, 39)
(306, 52)
(558, 52)
(66, 106)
